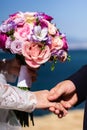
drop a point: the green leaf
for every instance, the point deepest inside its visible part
(69, 58)
(24, 88)
(52, 67)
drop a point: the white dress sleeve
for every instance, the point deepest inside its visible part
(14, 98)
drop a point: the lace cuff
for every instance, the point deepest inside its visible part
(16, 99)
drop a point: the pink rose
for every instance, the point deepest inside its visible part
(17, 18)
(57, 43)
(14, 46)
(34, 54)
(23, 32)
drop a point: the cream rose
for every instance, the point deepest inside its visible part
(34, 54)
(30, 17)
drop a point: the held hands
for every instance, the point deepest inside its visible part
(65, 94)
(44, 103)
(58, 100)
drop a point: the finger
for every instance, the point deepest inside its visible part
(60, 110)
(62, 114)
(66, 104)
(57, 111)
(52, 94)
(52, 109)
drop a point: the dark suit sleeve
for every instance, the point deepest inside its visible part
(80, 80)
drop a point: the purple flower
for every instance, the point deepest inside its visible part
(7, 27)
(3, 39)
(65, 43)
(61, 55)
(44, 16)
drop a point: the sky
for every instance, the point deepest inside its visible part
(70, 16)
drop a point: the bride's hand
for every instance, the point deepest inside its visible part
(42, 101)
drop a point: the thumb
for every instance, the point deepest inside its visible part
(55, 93)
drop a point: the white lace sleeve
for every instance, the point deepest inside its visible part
(15, 98)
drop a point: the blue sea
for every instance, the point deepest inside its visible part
(47, 79)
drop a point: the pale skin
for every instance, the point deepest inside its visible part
(64, 93)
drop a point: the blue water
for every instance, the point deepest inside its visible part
(47, 79)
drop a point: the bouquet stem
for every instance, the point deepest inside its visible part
(24, 82)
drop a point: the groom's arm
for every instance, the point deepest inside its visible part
(80, 80)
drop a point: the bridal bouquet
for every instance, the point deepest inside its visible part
(33, 37)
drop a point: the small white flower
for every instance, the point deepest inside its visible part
(40, 34)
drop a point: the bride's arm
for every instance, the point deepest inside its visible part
(14, 98)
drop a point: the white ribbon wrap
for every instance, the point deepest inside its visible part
(24, 79)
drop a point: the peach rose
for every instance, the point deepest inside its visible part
(51, 28)
(34, 54)
(57, 43)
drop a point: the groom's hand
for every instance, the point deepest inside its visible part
(65, 94)
(44, 103)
